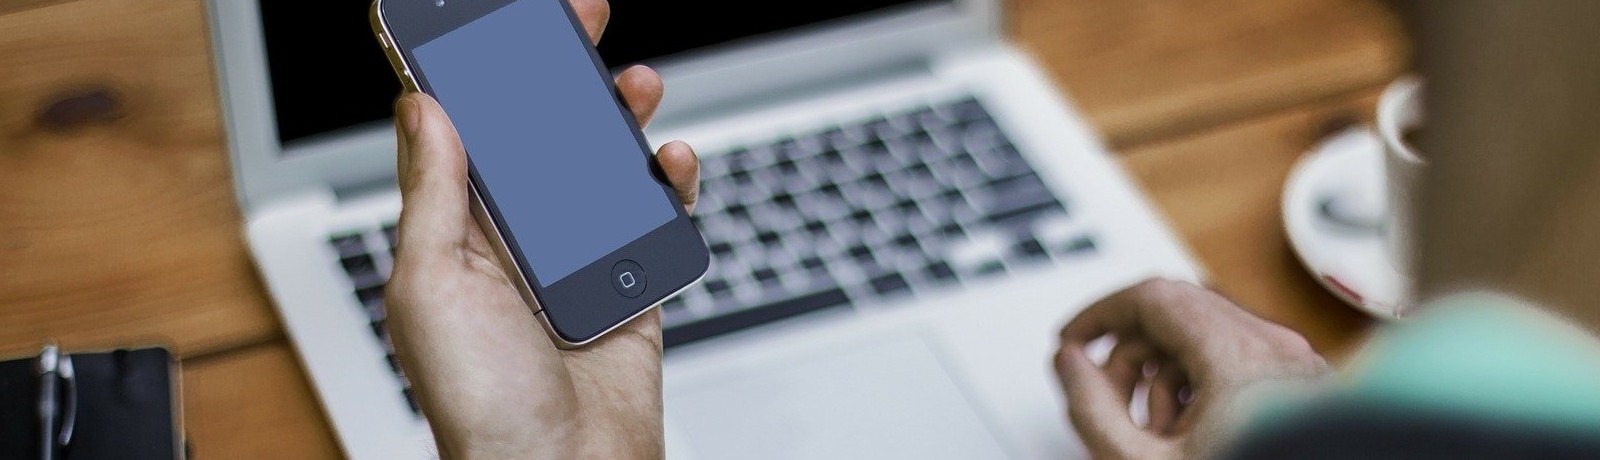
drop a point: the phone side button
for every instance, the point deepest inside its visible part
(628, 278)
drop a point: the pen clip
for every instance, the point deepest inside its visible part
(49, 359)
(55, 368)
(48, 403)
(69, 413)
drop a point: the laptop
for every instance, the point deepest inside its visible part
(902, 211)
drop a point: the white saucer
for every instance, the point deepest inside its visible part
(1347, 256)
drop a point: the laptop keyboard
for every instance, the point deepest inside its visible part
(899, 205)
(367, 257)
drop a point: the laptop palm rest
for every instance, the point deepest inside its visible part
(886, 397)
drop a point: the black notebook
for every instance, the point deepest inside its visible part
(115, 405)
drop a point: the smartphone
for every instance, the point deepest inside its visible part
(562, 179)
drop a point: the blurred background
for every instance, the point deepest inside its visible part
(119, 226)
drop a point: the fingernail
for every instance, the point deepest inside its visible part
(410, 116)
(406, 123)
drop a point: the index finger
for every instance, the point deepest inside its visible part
(1159, 310)
(594, 14)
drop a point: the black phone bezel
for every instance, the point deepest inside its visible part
(583, 305)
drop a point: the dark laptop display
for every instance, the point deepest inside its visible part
(328, 73)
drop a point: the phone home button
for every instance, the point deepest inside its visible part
(627, 277)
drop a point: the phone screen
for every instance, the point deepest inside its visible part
(548, 140)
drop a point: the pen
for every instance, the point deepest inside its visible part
(49, 362)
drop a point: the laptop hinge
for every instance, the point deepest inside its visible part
(365, 189)
(677, 115)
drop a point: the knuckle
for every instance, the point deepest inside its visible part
(1292, 342)
(1165, 292)
(1292, 348)
(1165, 297)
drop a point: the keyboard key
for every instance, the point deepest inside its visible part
(881, 128)
(1021, 216)
(993, 267)
(874, 237)
(868, 156)
(939, 271)
(411, 401)
(974, 254)
(920, 171)
(394, 364)
(737, 211)
(927, 118)
(676, 312)
(391, 233)
(766, 276)
(890, 284)
(786, 150)
(379, 330)
(1030, 249)
(960, 171)
(362, 270)
(1081, 245)
(817, 229)
(833, 159)
(719, 288)
(755, 316)
(877, 182)
(1026, 187)
(784, 201)
(951, 231)
(906, 240)
(349, 246)
(721, 248)
(831, 190)
(966, 109)
(862, 218)
(812, 263)
(861, 254)
(906, 208)
(1003, 159)
(714, 166)
(371, 299)
(839, 138)
(768, 239)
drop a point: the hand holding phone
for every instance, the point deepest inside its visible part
(488, 375)
(484, 369)
(560, 174)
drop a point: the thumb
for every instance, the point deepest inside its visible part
(432, 169)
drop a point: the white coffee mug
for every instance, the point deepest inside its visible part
(1400, 111)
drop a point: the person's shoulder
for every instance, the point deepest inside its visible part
(1364, 427)
(1486, 353)
(1473, 375)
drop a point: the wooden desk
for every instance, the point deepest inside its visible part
(118, 223)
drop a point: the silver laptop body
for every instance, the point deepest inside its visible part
(905, 211)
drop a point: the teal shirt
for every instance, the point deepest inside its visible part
(1475, 376)
(1488, 355)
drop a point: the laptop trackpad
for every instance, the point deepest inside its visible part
(887, 397)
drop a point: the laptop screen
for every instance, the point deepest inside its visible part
(328, 73)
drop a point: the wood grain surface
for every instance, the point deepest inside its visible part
(117, 221)
(1143, 70)
(254, 403)
(1221, 189)
(118, 224)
